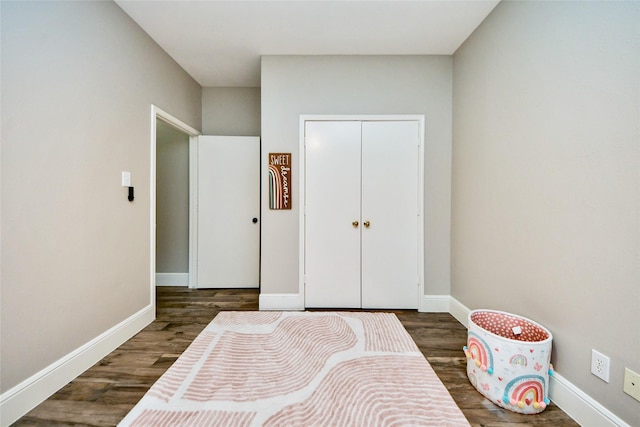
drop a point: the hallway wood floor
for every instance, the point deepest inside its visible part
(105, 393)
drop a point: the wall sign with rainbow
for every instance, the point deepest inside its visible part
(509, 360)
(279, 181)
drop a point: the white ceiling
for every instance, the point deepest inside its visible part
(219, 43)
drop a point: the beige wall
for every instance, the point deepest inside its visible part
(231, 111)
(78, 80)
(546, 184)
(295, 85)
(172, 199)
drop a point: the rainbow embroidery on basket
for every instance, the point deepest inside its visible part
(478, 350)
(527, 390)
(518, 360)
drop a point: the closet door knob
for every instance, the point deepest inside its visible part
(366, 224)
(355, 224)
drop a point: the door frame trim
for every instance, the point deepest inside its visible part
(301, 182)
(158, 114)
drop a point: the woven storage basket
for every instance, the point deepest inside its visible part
(508, 360)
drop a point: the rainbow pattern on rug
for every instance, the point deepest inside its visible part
(527, 390)
(478, 350)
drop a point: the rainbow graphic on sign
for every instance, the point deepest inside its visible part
(527, 390)
(275, 189)
(478, 350)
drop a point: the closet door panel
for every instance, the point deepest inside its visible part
(389, 204)
(332, 242)
(228, 240)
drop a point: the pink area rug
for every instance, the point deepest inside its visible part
(299, 369)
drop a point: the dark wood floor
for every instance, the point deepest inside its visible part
(105, 393)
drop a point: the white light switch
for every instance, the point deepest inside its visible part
(126, 179)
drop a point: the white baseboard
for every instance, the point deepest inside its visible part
(580, 406)
(577, 404)
(17, 401)
(284, 302)
(435, 304)
(459, 311)
(172, 279)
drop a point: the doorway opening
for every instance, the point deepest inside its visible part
(163, 122)
(172, 206)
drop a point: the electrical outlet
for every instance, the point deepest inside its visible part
(600, 365)
(632, 383)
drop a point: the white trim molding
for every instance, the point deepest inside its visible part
(284, 302)
(435, 304)
(17, 401)
(172, 279)
(193, 211)
(459, 311)
(585, 410)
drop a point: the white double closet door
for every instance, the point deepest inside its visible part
(361, 214)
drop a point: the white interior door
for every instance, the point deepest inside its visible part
(390, 155)
(332, 199)
(228, 201)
